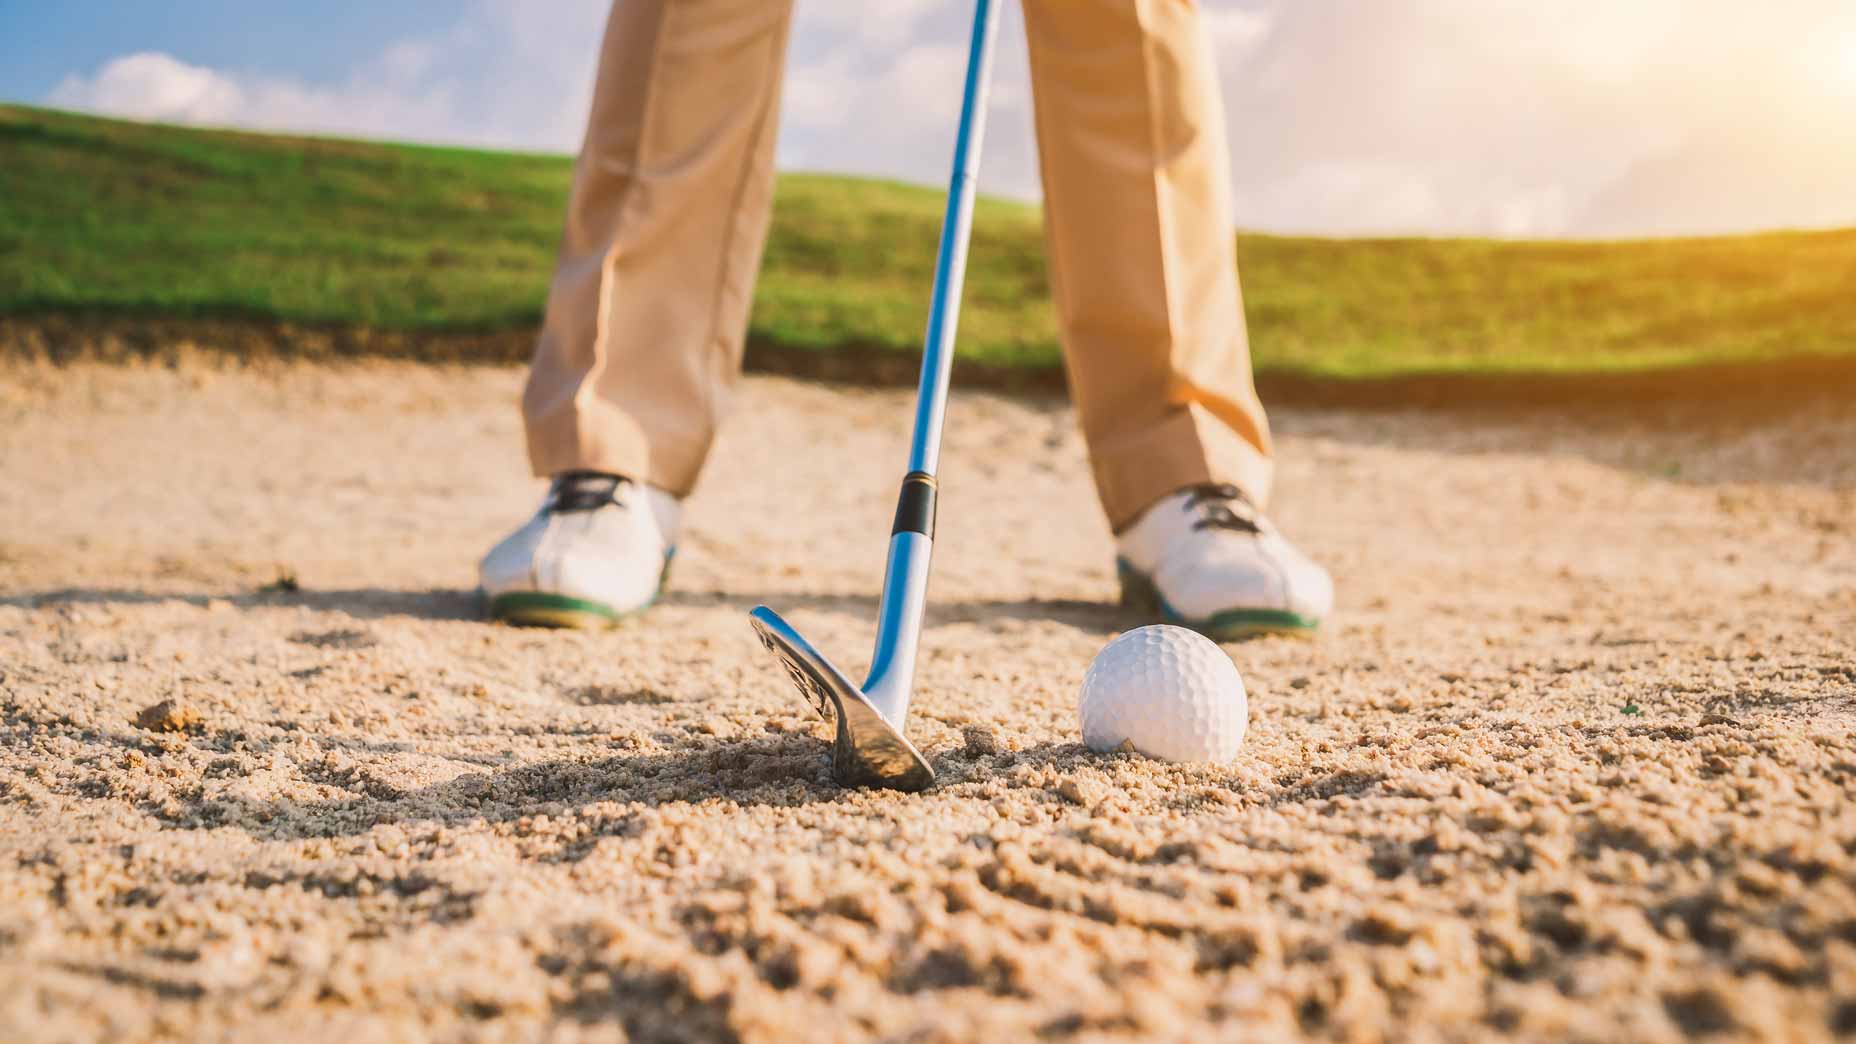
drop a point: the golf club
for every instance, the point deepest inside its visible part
(870, 749)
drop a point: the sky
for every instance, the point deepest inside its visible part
(1587, 118)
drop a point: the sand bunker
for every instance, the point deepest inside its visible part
(1574, 761)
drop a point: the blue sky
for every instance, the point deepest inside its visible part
(1507, 117)
(44, 41)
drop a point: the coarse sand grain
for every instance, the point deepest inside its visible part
(1573, 761)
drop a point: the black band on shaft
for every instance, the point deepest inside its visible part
(915, 508)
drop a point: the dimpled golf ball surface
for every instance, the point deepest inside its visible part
(1169, 692)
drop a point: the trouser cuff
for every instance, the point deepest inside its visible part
(1187, 447)
(592, 436)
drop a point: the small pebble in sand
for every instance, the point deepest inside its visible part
(980, 740)
(169, 716)
(1080, 792)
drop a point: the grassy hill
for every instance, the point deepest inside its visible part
(101, 217)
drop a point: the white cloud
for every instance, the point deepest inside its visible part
(887, 104)
(1346, 116)
(1513, 117)
(852, 19)
(496, 77)
(153, 86)
(1235, 32)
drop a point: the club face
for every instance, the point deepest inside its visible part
(868, 751)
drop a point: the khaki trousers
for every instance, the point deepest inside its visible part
(671, 198)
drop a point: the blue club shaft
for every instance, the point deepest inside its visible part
(905, 579)
(951, 266)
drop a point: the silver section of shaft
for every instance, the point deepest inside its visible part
(899, 626)
(951, 267)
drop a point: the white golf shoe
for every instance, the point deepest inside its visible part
(597, 551)
(1205, 558)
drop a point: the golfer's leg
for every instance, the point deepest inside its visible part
(1138, 221)
(669, 211)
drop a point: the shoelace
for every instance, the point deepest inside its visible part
(1216, 500)
(584, 491)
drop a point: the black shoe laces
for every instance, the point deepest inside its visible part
(1222, 506)
(584, 491)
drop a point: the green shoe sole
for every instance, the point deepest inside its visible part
(541, 609)
(537, 609)
(1139, 593)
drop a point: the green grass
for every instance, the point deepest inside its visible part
(136, 220)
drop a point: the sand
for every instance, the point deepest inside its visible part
(1574, 760)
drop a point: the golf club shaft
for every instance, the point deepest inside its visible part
(905, 578)
(951, 265)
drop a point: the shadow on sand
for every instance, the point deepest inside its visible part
(786, 770)
(782, 770)
(374, 603)
(362, 603)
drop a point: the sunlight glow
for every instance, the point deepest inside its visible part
(1843, 66)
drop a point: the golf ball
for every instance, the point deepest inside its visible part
(1168, 692)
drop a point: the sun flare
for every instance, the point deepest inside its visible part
(1842, 66)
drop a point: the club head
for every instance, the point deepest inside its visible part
(868, 751)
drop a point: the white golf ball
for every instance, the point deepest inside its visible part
(1168, 692)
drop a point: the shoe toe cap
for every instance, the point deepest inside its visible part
(1310, 588)
(1252, 575)
(597, 557)
(509, 566)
